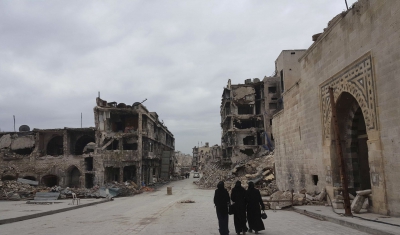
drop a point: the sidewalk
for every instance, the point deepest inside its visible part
(14, 211)
(326, 213)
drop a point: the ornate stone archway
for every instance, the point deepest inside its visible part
(358, 80)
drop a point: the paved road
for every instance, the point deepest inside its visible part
(158, 213)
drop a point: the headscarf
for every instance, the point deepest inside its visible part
(221, 185)
(238, 184)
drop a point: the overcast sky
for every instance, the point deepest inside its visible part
(56, 55)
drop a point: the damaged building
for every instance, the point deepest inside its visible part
(357, 55)
(134, 144)
(127, 143)
(50, 156)
(246, 118)
(206, 154)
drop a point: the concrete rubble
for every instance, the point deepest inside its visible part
(14, 190)
(360, 201)
(259, 170)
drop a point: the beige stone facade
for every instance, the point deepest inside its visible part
(358, 56)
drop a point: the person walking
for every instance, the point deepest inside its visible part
(238, 196)
(221, 201)
(254, 202)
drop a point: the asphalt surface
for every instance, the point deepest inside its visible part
(158, 213)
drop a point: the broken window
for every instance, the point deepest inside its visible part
(131, 123)
(270, 122)
(259, 92)
(282, 84)
(249, 140)
(111, 174)
(81, 144)
(315, 179)
(258, 107)
(129, 173)
(272, 89)
(89, 163)
(273, 106)
(245, 109)
(55, 147)
(248, 152)
(50, 180)
(114, 145)
(244, 124)
(25, 151)
(130, 144)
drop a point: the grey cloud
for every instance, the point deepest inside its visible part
(56, 55)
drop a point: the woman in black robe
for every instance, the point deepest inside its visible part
(221, 201)
(238, 196)
(254, 202)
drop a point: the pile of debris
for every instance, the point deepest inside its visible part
(360, 201)
(258, 170)
(283, 199)
(15, 190)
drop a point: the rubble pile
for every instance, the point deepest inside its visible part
(258, 170)
(358, 202)
(13, 190)
(127, 188)
(300, 198)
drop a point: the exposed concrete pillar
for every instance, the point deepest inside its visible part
(66, 141)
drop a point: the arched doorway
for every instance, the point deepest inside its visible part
(82, 142)
(73, 175)
(55, 147)
(353, 136)
(50, 180)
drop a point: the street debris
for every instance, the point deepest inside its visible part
(16, 190)
(187, 201)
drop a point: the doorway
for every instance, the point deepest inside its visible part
(353, 137)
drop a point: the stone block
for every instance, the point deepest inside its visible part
(357, 204)
(338, 204)
(364, 192)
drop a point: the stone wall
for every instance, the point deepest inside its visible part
(358, 54)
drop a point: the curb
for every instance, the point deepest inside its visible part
(41, 214)
(348, 224)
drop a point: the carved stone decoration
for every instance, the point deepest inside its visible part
(358, 80)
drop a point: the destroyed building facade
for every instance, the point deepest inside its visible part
(183, 162)
(206, 154)
(358, 56)
(127, 143)
(246, 118)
